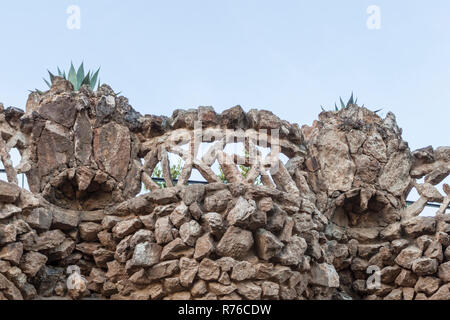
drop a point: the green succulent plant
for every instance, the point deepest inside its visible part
(351, 101)
(77, 78)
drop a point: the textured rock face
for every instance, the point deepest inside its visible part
(330, 223)
(82, 149)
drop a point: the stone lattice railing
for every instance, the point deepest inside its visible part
(329, 222)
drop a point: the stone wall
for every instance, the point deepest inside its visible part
(330, 223)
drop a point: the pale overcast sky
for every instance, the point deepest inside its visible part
(289, 57)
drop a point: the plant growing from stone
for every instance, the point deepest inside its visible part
(350, 102)
(76, 78)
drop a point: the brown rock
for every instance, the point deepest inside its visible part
(54, 148)
(270, 290)
(140, 277)
(226, 263)
(185, 295)
(112, 149)
(434, 251)
(146, 255)
(126, 227)
(189, 269)
(172, 285)
(419, 225)
(102, 257)
(249, 290)
(218, 201)
(83, 177)
(263, 271)
(408, 293)
(276, 221)
(47, 241)
(399, 244)
(88, 248)
(142, 236)
(199, 288)
(163, 270)
(406, 279)
(267, 245)
(224, 279)
(407, 256)
(391, 232)
(192, 193)
(363, 234)
(233, 118)
(106, 239)
(9, 290)
(213, 223)
(293, 251)
(176, 249)
(39, 219)
(61, 110)
(281, 274)
(83, 138)
(196, 211)
(208, 270)
(204, 247)
(190, 231)
(180, 215)
(303, 222)
(62, 251)
(424, 241)
(442, 294)
(265, 204)
(12, 252)
(395, 175)
(421, 296)
(163, 230)
(9, 193)
(235, 243)
(8, 233)
(65, 219)
(430, 192)
(8, 210)
(109, 222)
(444, 272)
(324, 275)
(32, 262)
(89, 231)
(164, 196)
(395, 294)
(425, 266)
(220, 289)
(389, 274)
(115, 271)
(241, 214)
(243, 270)
(427, 285)
(149, 221)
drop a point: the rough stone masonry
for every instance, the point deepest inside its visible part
(330, 223)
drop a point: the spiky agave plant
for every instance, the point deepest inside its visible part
(77, 78)
(351, 101)
(343, 105)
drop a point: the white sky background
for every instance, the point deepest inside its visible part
(287, 56)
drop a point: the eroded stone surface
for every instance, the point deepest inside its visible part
(312, 229)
